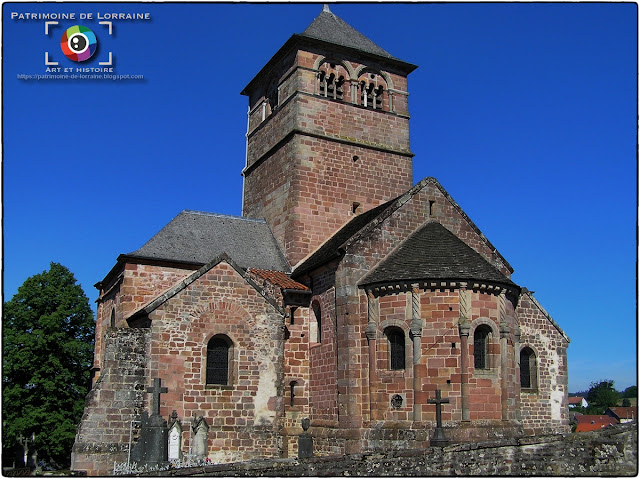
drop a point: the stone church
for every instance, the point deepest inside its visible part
(344, 294)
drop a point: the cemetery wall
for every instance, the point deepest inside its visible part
(609, 452)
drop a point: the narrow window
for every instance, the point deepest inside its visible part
(218, 361)
(292, 388)
(317, 315)
(322, 83)
(528, 376)
(481, 338)
(113, 318)
(395, 340)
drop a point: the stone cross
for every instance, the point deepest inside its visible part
(156, 390)
(438, 438)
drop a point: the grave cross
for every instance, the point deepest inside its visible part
(156, 390)
(438, 438)
(438, 401)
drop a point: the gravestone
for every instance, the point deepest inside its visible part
(438, 438)
(201, 438)
(175, 437)
(152, 447)
(305, 441)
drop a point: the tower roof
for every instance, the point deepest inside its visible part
(327, 29)
(331, 28)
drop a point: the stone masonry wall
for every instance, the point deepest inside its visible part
(138, 285)
(545, 408)
(244, 416)
(117, 398)
(315, 162)
(609, 452)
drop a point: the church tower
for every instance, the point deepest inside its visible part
(328, 134)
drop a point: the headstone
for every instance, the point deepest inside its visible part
(438, 438)
(305, 441)
(175, 437)
(152, 447)
(21, 452)
(201, 438)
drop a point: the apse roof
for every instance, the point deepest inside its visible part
(197, 237)
(433, 252)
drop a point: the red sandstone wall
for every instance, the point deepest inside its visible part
(341, 157)
(244, 417)
(322, 356)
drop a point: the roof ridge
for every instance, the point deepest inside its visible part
(221, 215)
(185, 282)
(545, 313)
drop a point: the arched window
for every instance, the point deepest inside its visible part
(528, 369)
(113, 317)
(396, 348)
(481, 340)
(371, 87)
(331, 80)
(273, 96)
(316, 326)
(219, 356)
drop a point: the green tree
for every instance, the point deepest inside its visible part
(602, 395)
(47, 332)
(630, 392)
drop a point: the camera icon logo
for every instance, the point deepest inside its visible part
(78, 43)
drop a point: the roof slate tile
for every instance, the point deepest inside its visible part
(197, 237)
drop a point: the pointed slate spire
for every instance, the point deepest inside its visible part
(330, 28)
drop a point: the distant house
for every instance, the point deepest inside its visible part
(588, 422)
(622, 414)
(577, 401)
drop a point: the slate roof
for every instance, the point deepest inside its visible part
(433, 252)
(198, 237)
(330, 249)
(331, 28)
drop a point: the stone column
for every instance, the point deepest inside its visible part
(464, 327)
(373, 312)
(504, 357)
(416, 337)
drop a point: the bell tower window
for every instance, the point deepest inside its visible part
(372, 88)
(331, 81)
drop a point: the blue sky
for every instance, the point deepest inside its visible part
(525, 113)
